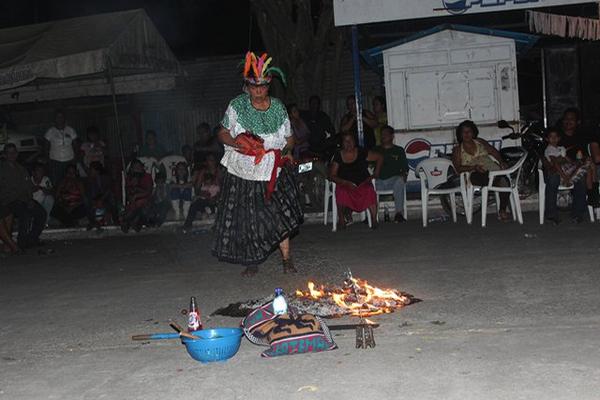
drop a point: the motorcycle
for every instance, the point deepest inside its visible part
(532, 144)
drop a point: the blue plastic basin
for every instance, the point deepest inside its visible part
(217, 344)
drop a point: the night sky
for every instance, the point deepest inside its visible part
(193, 28)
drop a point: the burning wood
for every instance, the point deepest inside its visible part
(357, 298)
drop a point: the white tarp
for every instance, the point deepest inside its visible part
(351, 12)
(82, 48)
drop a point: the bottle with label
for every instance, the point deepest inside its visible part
(194, 322)
(279, 303)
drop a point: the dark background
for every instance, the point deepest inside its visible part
(193, 28)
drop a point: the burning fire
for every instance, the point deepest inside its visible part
(358, 297)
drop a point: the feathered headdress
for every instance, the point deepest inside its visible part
(257, 70)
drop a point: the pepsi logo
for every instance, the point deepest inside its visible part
(416, 151)
(455, 6)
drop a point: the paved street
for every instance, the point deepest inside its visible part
(504, 316)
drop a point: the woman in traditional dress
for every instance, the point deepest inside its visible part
(259, 209)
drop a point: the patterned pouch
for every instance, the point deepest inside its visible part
(287, 333)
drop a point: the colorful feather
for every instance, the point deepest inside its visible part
(254, 66)
(266, 66)
(247, 65)
(279, 72)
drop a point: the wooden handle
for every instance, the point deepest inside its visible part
(181, 332)
(188, 335)
(141, 337)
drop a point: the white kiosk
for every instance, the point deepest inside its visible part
(440, 77)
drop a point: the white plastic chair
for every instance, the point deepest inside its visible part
(169, 163)
(388, 193)
(433, 172)
(330, 195)
(542, 197)
(512, 174)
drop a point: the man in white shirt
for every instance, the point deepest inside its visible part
(61, 141)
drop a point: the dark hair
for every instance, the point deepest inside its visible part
(466, 124)
(92, 129)
(97, 166)
(291, 106)
(551, 129)
(572, 110)
(185, 148)
(71, 166)
(314, 97)
(39, 165)
(204, 125)
(350, 96)
(350, 134)
(10, 146)
(59, 111)
(136, 161)
(387, 128)
(381, 101)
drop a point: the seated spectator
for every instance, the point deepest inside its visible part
(43, 189)
(322, 140)
(207, 143)
(393, 171)
(570, 171)
(10, 246)
(138, 187)
(354, 188)
(188, 153)
(380, 111)
(207, 186)
(16, 199)
(161, 202)
(181, 191)
(478, 157)
(70, 199)
(100, 200)
(151, 147)
(349, 123)
(299, 130)
(576, 141)
(94, 149)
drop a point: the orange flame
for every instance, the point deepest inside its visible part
(361, 299)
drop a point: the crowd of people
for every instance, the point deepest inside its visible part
(71, 185)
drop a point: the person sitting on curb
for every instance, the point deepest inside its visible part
(393, 171)
(16, 190)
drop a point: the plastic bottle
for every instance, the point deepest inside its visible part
(439, 218)
(194, 322)
(386, 215)
(279, 303)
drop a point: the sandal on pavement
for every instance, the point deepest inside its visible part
(250, 271)
(288, 266)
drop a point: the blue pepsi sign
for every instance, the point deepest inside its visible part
(462, 6)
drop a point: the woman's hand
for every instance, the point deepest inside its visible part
(348, 184)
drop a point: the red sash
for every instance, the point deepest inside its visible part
(252, 145)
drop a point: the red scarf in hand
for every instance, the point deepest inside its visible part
(252, 145)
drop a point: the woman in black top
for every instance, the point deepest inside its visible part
(354, 188)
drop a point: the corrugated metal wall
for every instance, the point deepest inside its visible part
(202, 96)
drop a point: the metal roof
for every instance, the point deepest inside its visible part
(523, 41)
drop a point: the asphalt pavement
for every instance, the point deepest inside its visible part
(508, 312)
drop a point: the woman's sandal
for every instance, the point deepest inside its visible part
(250, 271)
(504, 216)
(288, 266)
